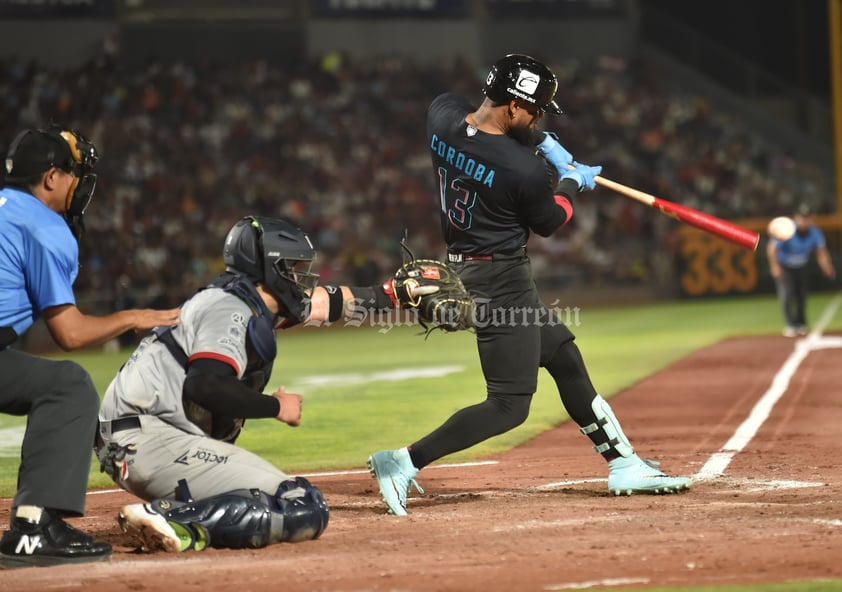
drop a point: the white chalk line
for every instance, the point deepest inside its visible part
(394, 375)
(720, 460)
(597, 583)
(745, 486)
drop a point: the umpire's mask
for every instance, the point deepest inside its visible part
(82, 190)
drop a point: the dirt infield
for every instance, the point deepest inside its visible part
(540, 518)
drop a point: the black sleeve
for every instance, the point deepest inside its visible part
(538, 206)
(538, 136)
(214, 385)
(567, 187)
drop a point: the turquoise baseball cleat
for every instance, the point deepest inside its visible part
(395, 473)
(628, 475)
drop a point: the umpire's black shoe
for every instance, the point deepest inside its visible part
(49, 541)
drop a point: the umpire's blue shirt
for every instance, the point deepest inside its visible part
(795, 252)
(39, 259)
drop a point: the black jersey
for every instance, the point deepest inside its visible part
(492, 190)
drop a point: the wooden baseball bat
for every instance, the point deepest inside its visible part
(717, 226)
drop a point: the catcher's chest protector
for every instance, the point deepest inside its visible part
(261, 331)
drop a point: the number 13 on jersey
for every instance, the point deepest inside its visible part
(457, 200)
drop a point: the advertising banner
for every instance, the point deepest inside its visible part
(556, 8)
(57, 9)
(390, 8)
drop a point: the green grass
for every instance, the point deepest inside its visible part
(365, 409)
(808, 586)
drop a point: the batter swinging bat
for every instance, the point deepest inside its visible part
(717, 226)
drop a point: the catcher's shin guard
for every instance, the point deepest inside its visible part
(605, 432)
(250, 518)
(238, 519)
(304, 510)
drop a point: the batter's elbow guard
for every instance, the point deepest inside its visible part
(304, 510)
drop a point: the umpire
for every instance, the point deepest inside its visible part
(48, 183)
(788, 261)
(494, 188)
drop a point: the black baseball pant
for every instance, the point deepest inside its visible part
(792, 293)
(516, 334)
(61, 403)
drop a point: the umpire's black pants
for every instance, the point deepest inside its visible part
(792, 293)
(61, 403)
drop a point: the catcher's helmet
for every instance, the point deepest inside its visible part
(519, 76)
(35, 151)
(276, 253)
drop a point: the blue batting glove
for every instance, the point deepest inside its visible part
(583, 175)
(555, 153)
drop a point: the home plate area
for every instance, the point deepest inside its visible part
(540, 517)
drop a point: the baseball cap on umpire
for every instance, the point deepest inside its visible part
(519, 76)
(33, 152)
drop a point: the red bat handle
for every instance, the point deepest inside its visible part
(717, 226)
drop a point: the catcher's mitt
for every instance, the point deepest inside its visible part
(435, 290)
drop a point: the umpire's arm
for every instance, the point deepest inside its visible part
(72, 329)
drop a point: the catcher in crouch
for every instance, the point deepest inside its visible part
(169, 419)
(496, 175)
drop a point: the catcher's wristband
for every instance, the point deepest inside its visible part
(380, 297)
(335, 303)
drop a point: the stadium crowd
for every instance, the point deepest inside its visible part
(338, 145)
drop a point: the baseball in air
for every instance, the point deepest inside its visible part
(781, 228)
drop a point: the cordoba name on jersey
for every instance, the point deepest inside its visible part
(470, 167)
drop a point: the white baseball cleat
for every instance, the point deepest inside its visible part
(153, 532)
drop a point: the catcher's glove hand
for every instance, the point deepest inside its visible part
(436, 291)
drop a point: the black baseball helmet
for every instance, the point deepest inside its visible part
(519, 76)
(35, 151)
(276, 253)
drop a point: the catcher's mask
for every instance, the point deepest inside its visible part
(522, 77)
(35, 151)
(276, 253)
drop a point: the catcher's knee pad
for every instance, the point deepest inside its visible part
(303, 510)
(608, 427)
(238, 519)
